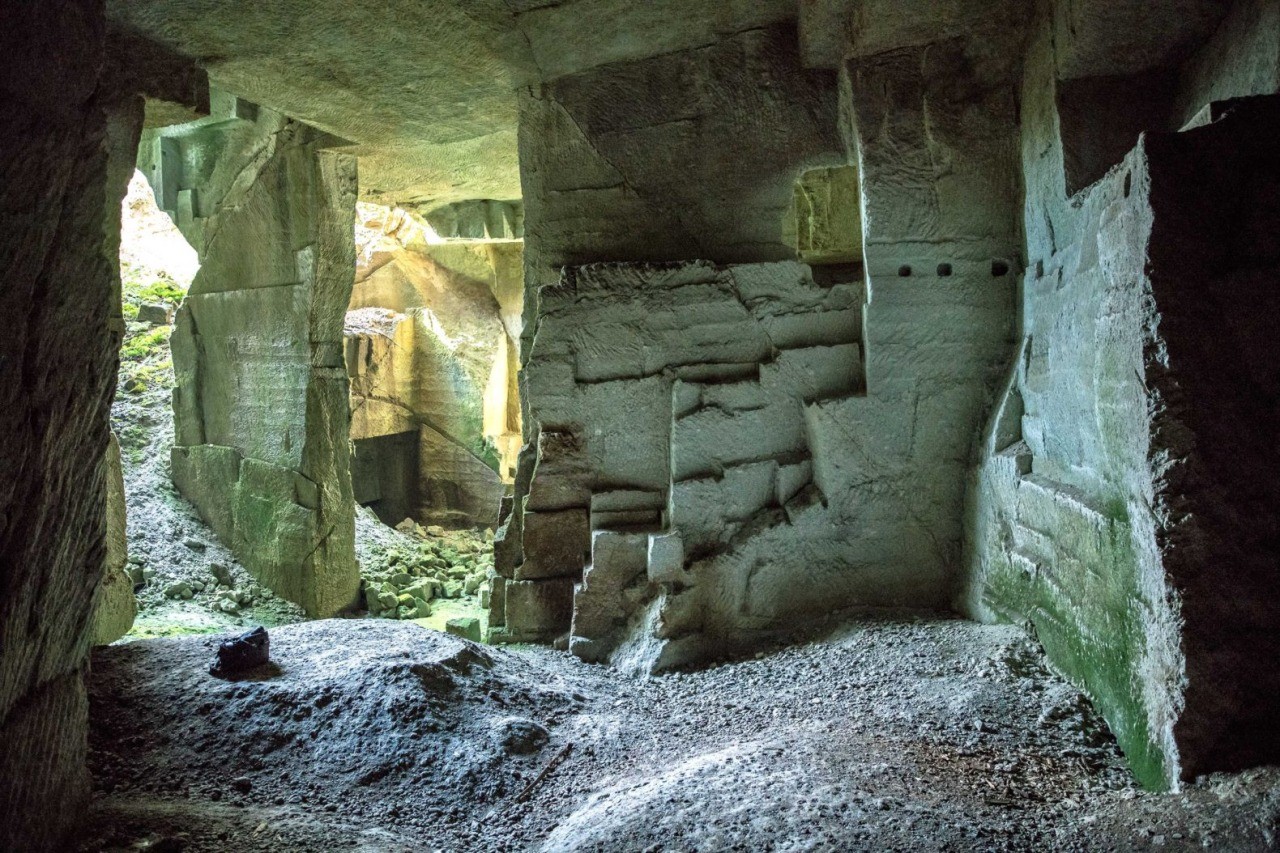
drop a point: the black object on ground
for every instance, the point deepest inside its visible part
(239, 654)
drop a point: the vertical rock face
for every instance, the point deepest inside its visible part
(684, 401)
(805, 445)
(693, 154)
(1125, 505)
(261, 408)
(62, 176)
(116, 606)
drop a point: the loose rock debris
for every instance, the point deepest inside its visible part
(884, 734)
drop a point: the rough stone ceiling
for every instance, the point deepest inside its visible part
(1095, 37)
(425, 88)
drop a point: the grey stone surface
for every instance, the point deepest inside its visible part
(445, 71)
(260, 405)
(1103, 501)
(116, 606)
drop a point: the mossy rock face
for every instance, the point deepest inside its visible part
(260, 402)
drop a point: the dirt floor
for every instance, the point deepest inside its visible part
(882, 734)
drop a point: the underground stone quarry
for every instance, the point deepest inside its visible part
(640, 426)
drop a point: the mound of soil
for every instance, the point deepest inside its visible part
(884, 734)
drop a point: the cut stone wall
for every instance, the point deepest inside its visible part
(1109, 513)
(632, 161)
(718, 483)
(935, 133)
(692, 154)
(261, 409)
(680, 402)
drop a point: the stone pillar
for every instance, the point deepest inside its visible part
(261, 406)
(937, 149)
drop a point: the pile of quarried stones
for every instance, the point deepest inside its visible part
(402, 581)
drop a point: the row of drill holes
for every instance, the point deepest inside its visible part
(999, 269)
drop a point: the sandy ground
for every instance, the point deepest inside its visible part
(892, 733)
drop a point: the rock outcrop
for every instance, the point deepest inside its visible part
(260, 404)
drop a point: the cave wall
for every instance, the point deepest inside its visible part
(1241, 58)
(686, 403)
(64, 137)
(942, 249)
(690, 155)
(1107, 513)
(260, 404)
(652, 388)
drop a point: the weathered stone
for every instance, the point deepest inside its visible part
(535, 611)
(602, 607)
(261, 397)
(468, 628)
(665, 558)
(154, 314)
(116, 606)
(556, 544)
(222, 575)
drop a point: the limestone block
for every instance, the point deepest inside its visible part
(665, 558)
(537, 610)
(709, 510)
(601, 604)
(556, 544)
(816, 373)
(712, 439)
(155, 314)
(629, 434)
(497, 600)
(508, 544)
(564, 476)
(273, 534)
(206, 475)
(468, 628)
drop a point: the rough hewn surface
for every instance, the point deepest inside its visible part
(691, 398)
(261, 409)
(1213, 260)
(59, 198)
(632, 161)
(1108, 508)
(425, 88)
